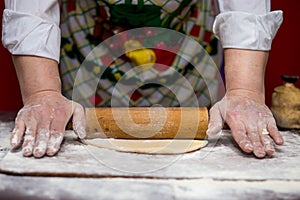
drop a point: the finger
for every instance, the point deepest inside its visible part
(274, 133)
(17, 133)
(258, 148)
(57, 130)
(239, 134)
(79, 121)
(265, 137)
(54, 143)
(267, 143)
(29, 138)
(215, 122)
(41, 142)
(254, 129)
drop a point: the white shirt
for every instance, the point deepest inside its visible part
(31, 27)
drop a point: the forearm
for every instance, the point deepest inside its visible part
(244, 73)
(36, 74)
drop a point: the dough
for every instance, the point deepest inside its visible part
(158, 146)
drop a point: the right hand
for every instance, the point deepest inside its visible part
(41, 123)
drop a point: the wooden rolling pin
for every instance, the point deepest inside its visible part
(147, 122)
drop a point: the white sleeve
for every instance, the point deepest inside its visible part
(31, 27)
(246, 24)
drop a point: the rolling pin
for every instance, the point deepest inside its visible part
(147, 122)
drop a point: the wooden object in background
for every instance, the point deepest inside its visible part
(286, 103)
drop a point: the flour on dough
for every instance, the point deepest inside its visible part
(157, 146)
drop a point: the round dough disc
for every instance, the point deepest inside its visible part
(162, 146)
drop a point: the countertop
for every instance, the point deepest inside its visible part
(218, 171)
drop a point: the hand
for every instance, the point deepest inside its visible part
(42, 121)
(249, 121)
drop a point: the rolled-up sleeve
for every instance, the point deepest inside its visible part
(246, 24)
(31, 27)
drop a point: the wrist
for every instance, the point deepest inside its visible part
(41, 96)
(40, 87)
(257, 96)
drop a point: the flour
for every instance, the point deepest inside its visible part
(54, 142)
(223, 172)
(79, 128)
(5, 131)
(14, 139)
(28, 143)
(222, 160)
(28, 131)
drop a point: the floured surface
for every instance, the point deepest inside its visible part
(16, 187)
(220, 160)
(157, 146)
(5, 129)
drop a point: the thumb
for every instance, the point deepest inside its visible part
(79, 121)
(215, 121)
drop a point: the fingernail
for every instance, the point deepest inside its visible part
(249, 147)
(52, 151)
(270, 150)
(38, 153)
(27, 151)
(260, 153)
(279, 141)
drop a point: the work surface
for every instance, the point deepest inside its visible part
(219, 171)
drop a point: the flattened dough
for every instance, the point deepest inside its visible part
(163, 146)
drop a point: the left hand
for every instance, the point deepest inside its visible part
(40, 124)
(252, 124)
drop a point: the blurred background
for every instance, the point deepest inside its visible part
(283, 57)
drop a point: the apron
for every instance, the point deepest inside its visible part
(139, 53)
